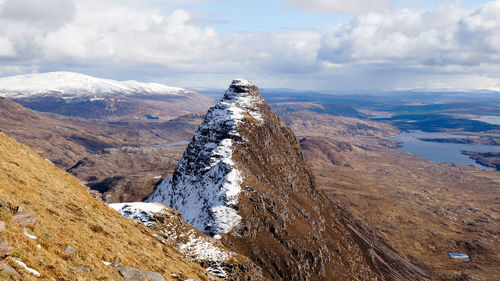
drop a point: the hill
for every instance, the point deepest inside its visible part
(65, 141)
(57, 230)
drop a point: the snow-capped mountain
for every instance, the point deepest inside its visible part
(78, 95)
(76, 84)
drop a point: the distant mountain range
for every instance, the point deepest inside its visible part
(79, 95)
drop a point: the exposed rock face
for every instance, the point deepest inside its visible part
(69, 250)
(7, 268)
(83, 269)
(206, 184)
(243, 177)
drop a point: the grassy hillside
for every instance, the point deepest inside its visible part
(68, 216)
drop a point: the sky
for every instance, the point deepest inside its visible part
(324, 45)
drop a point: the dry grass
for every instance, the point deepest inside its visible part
(67, 215)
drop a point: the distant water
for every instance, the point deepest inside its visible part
(495, 120)
(459, 256)
(173, 143)
(441, 152)
(377, 115)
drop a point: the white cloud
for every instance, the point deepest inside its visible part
(445, 42)
(125, 35)
(343, 6)
(447, 45)
(403, 36)
(6, 48)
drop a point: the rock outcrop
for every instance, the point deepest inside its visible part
(243, 180)
(207, 251)
(7, 268)
(133, 274)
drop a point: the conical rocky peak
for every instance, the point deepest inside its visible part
(243, 179)
(246, 96)
(205, 186)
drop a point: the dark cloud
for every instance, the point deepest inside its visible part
(47, 12)
(343, 6)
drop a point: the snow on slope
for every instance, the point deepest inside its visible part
(206, 183)
(138, 211)
(75, 84)
(189, 243)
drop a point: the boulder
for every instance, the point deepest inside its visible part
(83, 269)
(7, 268)
(5, 249)
(25, 218)
(133, 274)
(69, 250)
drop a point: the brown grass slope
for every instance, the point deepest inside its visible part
(68, 215)
(289, 227)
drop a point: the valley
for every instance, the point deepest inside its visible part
(425, 209)
(422, 209)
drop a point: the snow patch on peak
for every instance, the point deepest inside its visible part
(243, 94)
(204, 192)
(23, 265)
(241, 82)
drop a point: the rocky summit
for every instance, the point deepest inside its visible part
(243, 180)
